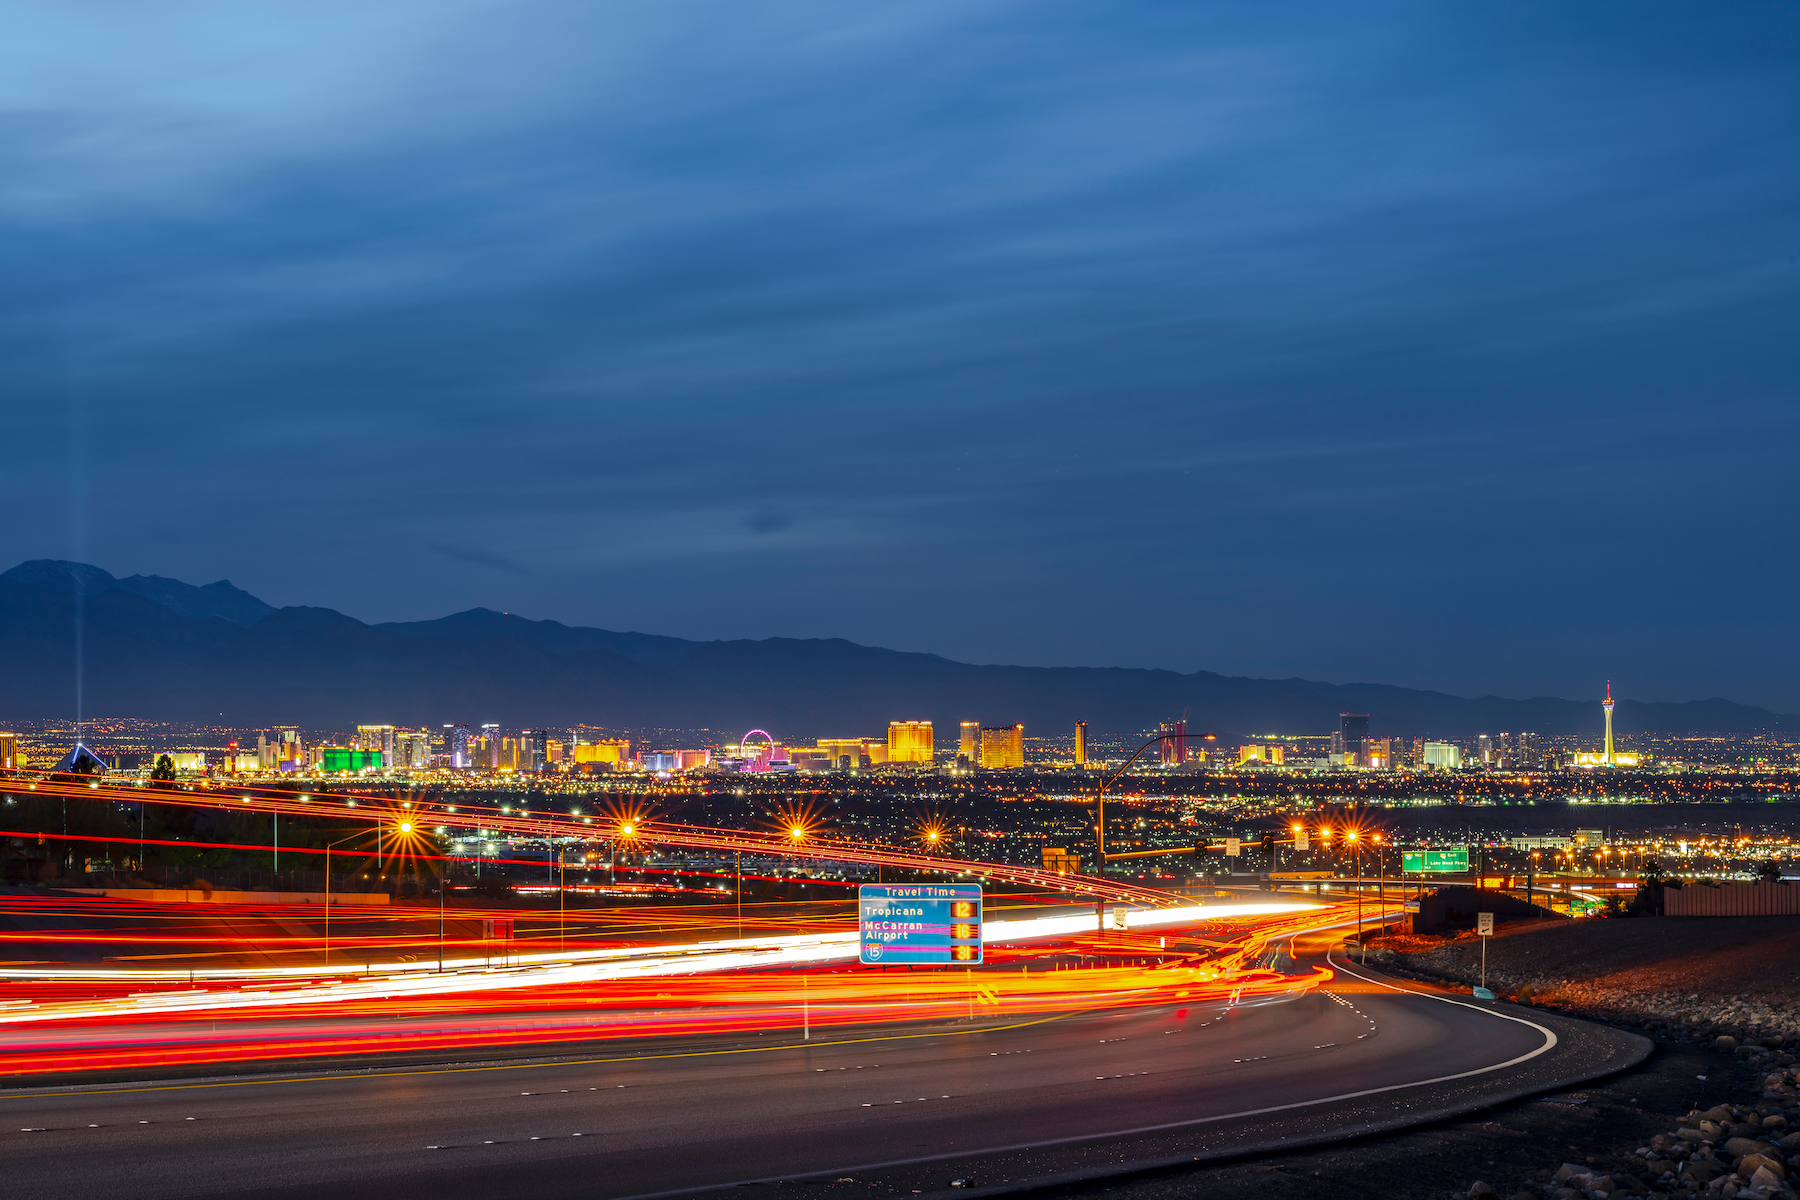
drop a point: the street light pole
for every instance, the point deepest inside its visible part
(1100, 797)
(403, 827)
(1380, 883)
(328, 849)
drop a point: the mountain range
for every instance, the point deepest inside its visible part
(152, 647)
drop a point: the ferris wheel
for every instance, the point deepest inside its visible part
(758, 756)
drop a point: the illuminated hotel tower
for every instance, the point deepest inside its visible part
(1081, 743)
(1607, 709)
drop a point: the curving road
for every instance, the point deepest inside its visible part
(896, 1112)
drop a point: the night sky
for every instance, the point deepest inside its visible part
(1442, 345)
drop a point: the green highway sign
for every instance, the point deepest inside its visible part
(1426, 862)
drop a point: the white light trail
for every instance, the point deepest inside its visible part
(552, 970)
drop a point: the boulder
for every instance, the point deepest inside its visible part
(1568, 1171)
(1766, 1179)
(1524, 1196)
(1622, 1182)
(1701, 1170)
(1737, 1147)
(1478, 1190)
(1748, 1164)
(1725, 1042)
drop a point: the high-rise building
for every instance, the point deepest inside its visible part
(1081, 743)
(1607, 707)
(1443, 755)
(9, 752)
(614, 752)
(1484, 749)
(412, 749)
(1610, 755)
(843, 752)
(378, 738)
(969, 746)
(279, 749)
(1353, 731)
(456, 747)
(534, 750)
(489, 748)
(910, 742)
(1526, 756)
(1002, 746)
(1173, 750)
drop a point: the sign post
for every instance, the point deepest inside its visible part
(919, 923)
(1233, 848)
(1484, 927)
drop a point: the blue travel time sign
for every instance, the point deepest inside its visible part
(919, 923)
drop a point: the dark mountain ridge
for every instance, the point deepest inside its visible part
(176, 652)
(213, 600)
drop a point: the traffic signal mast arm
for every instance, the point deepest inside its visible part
(1195, 849)
(1100, 799)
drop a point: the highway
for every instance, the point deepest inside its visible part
(896, 1110)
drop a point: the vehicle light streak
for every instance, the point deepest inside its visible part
(635, 992)
(591, 965)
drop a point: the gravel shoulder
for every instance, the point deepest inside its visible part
(1684, 977)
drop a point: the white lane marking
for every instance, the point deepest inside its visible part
(1549, 1035)
(1550, 1042)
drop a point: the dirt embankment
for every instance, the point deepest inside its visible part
(1693, 977)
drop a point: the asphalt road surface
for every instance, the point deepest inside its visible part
(1057, 1098)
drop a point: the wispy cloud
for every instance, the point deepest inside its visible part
(914, 320)
(481, 558)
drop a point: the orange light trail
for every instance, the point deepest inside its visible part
(586, 976)
(376, 1015)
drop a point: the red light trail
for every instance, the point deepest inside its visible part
(242, 983)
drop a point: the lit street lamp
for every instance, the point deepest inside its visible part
(401, 827)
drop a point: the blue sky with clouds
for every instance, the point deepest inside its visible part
(1428, 344)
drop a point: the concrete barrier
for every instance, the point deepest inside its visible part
(1761, 899)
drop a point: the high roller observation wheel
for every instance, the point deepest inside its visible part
(769, 738)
